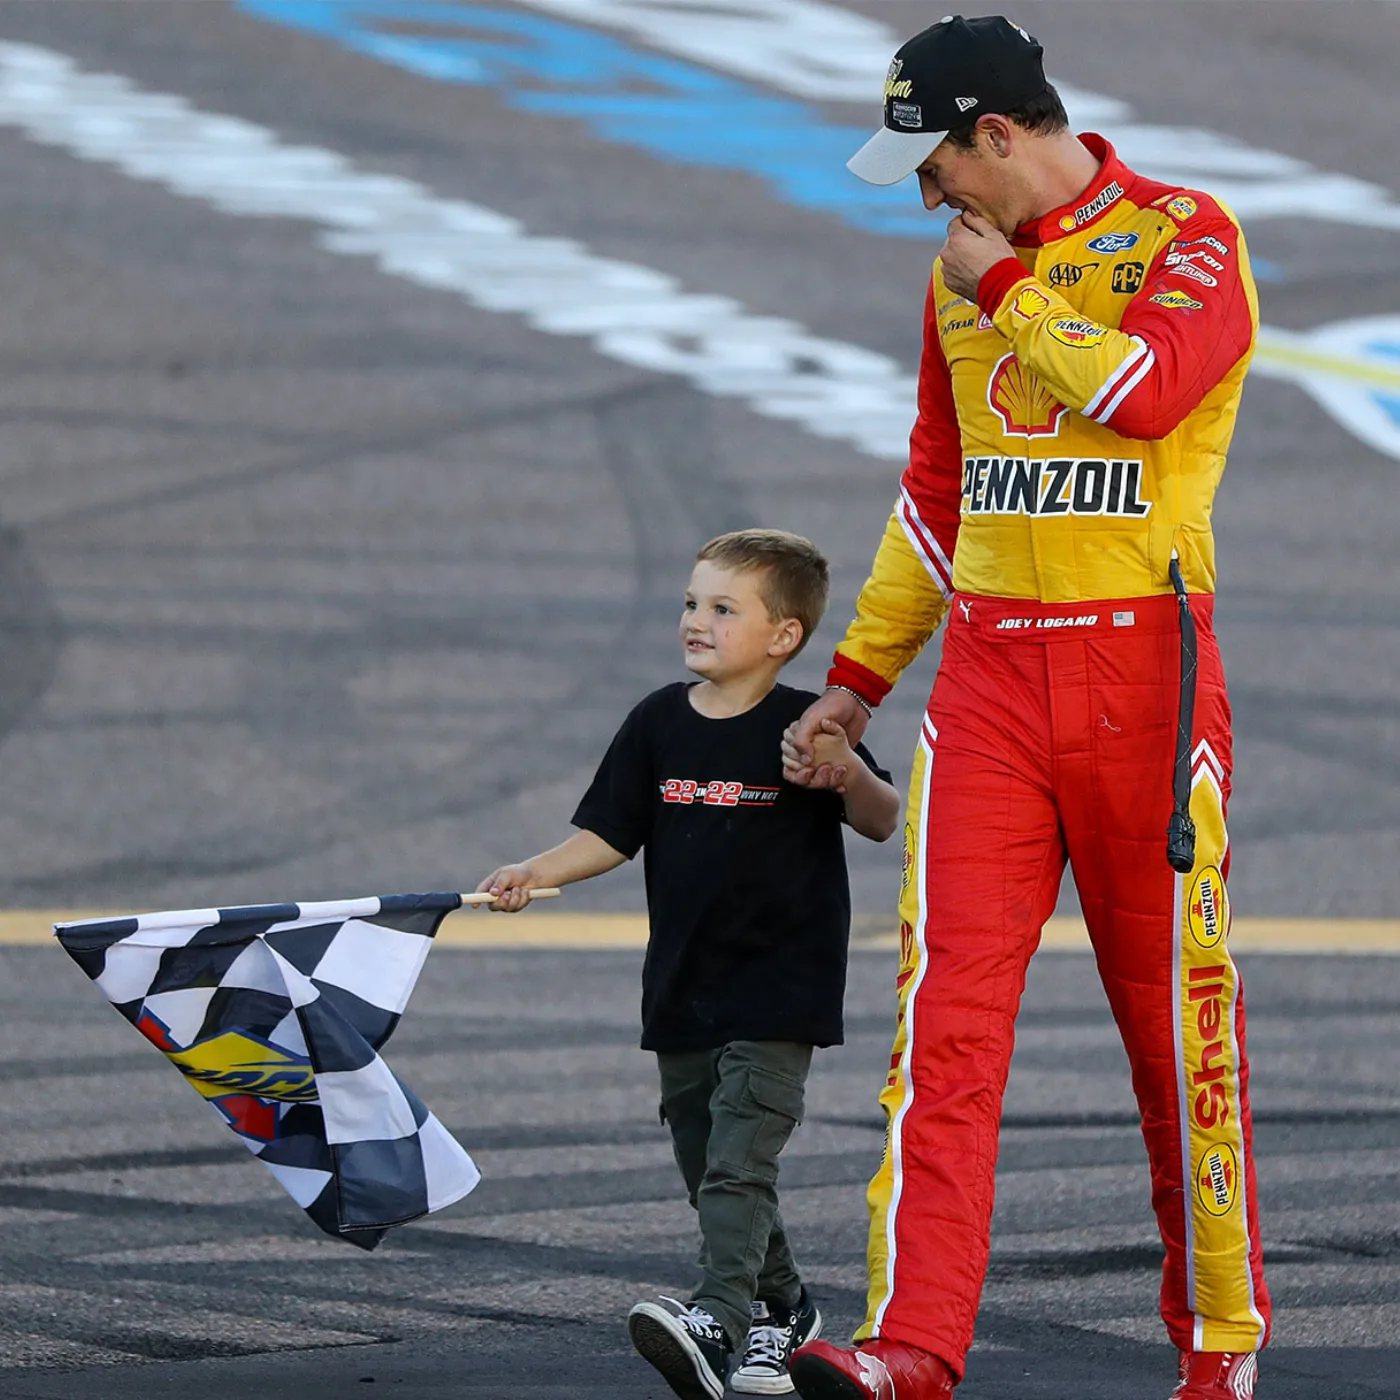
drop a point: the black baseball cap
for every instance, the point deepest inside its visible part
(947, 77)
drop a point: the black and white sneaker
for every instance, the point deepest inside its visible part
(685, 1344)
(776, 1332)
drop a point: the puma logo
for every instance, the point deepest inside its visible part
(967, 610)
(876, 1376)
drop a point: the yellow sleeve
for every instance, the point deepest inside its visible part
(898, 610)
(1077, 358)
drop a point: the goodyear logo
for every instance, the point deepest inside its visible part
(1209, 910)
(1080, 334)
(1178, 301)
(1218, 1179)
(1029, 303)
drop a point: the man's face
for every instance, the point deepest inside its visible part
(963, 177)
(725, 627)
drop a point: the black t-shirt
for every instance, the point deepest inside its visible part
(745, 873)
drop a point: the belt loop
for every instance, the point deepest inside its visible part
(1181, 830)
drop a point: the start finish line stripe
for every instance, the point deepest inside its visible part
(628, 312)
(479, 929)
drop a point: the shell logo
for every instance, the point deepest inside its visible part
(1067, 222)
(1209, 910)
(1025, 406)
(1218, 1179)
(1029, 303)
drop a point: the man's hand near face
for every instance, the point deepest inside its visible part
(973, 248)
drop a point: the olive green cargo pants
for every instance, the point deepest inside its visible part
(731, 1112)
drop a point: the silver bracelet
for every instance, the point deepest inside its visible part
(858, 698)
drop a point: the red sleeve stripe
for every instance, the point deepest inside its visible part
(925, 545)
(1106, 390)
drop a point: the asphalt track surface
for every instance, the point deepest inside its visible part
(317, 582)
(145, 1256)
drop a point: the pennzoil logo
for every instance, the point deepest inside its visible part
(1110, 194)
(1181, 208)
(1030, 303)
(1077, 332)
(1025, 406)
(1218, 1179)
(1209, 909)
(1052, 486)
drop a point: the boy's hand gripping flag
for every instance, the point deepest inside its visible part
(276, 1015)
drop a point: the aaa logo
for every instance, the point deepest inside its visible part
(1025, 406)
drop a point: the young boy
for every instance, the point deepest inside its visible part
(750, 915)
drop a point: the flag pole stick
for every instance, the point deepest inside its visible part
(486, 898)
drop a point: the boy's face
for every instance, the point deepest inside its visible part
(725, 627)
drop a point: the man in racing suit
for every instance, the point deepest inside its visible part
(1087, 332)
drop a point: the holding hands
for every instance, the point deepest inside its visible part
(808, 766)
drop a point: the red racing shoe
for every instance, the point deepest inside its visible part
(876, 1370)
(1217, 1375)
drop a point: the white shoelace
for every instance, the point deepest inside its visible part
(766, 1345)
(697, 1319)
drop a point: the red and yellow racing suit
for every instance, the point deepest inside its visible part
(1072, 429)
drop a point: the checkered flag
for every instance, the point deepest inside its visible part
(276, 1014)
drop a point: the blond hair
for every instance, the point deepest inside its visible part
(795, 574)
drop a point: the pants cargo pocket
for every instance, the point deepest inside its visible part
(769, 1108)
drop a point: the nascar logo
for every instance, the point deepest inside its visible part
(1052, 486)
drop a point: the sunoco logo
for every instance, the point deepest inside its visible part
(1217, 1178)
(1209, 911)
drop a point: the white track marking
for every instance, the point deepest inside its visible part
(828, 54)
(630, 313)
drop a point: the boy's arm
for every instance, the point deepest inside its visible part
(584, 855)
(872, 804)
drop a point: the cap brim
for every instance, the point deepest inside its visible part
(891, 156)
